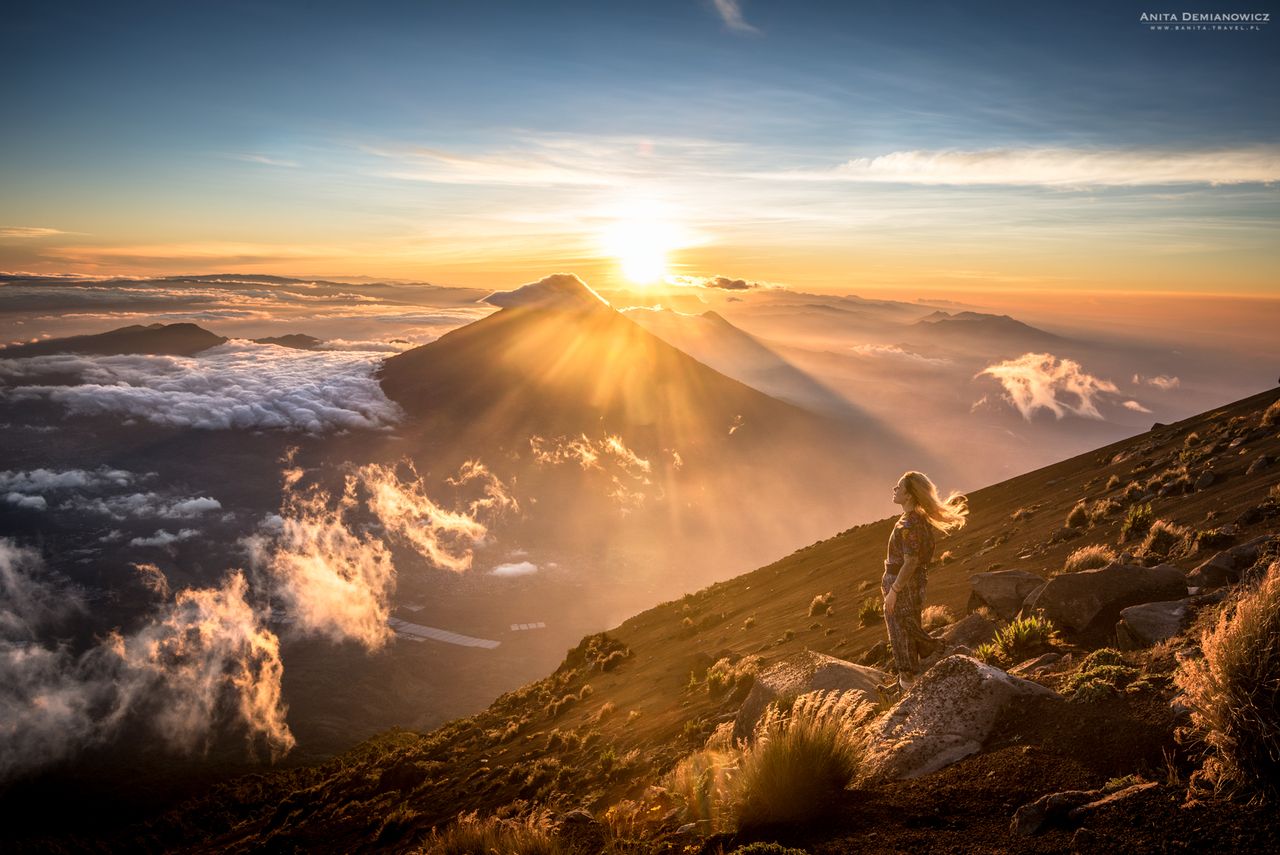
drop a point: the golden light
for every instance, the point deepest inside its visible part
(640, 242)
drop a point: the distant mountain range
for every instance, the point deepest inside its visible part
(159, 339)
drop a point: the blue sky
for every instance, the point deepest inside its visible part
(268, 125)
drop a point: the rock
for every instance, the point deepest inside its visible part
(800, 673)
(1258, 465)
(1150, 623)
(1066, 533)
(947, 716)
(1003, 591)
(1084, 841)
(1225, 567)
(1040, 665)
(1205, 480)
(970, 631)
(1082, 811)
(875, 654)
(1033, 817)
(1074, 600)
(578, 816)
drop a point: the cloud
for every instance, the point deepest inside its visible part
(264, 160)
(1163, 382)
(1036, 381)
(236, 385)
(893, 351)
(46, 480)
(334, 575)
(1056, 167)
(627, 471)
(724, 283)
(730, 12)
(28, 232)
(142, 505)
(21, 500)
(1135, 406)
(201, 665)
(557, 291)
(163, 538)
(520, 568)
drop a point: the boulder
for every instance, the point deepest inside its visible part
(1074, 600)
(1003, 591)
(800, 673)
(1205, 480)
(970, 631)
(1073, 805)
(1260, 463)
(1042, 664)
(947, 716)
(1225, 567)
(1150, 623)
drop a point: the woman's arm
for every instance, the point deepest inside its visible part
(909, 565)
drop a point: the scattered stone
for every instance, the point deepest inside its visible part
(947, 716)
(799, 673)
(1043, 664)
(1225, 567)
(1258, 465)
(1150, 623)
(1081, 812)
(875, 654)
(578, 816)
(1033, 817)
(1205, 480)
(1004, 591)
(1084, 841)
(971, 631)
(1066, 533)
(1074, 600)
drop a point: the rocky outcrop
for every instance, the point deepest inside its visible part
(800, 673)
(1003, 591)
(969, 631)
(1069, 805)
(1225, 567)
(947, 716)
(1075, 600)
(1150, 623)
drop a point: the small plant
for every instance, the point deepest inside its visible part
(749, 622)
(1079, 515)
(687, 626)
(1213, 538)
(732, 678)
(632, 716)
(585, 692)
(989, 652)
(947, 557)
(1102, 509)
(936, 617)
(1137, 519)
(607, 709)
(1024, 637)
(613, 660)
(821, 603)
(1192, 440)
(532, 835)
(1089, 558)
(1113, 482)
(871, 610)
(1103, 674)
(1234, 693)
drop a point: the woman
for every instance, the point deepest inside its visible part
(906, 567)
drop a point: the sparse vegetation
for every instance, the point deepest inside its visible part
(1234, 693)
(871, 610)
(1089, 558)
(1137, 519)
(1271, 417)
(471, 834)
(1113, 482)
(749, 622)
(1213, 538)
(1079, 515)
(731, 678)
(1102, 674)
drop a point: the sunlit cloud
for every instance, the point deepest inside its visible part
(730, 12)
(893, 351)
(1162, 382)
(724, 283)
(1036, 381)
(519, 568)
(627, 472)
(1054, 167)
(1135, 406)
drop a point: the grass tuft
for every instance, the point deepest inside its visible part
(1089, 558)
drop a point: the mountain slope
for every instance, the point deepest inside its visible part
(559, 743)
(181, 339)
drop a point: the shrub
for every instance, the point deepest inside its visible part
(821, 603)
(871, 610)
(936, 617)
(947, 557)
(1234, 693)
(988, 652)
(585, 692)
(1024, 637)
(1192, 440)
(736, 678)
(469, 834)
(1113, 482)
(767, 849)
(1271, 417)
(800, 763)
(613, 660)
(749, 622)
(1164, 540)
(1089, 558)
(1102, 674)
(1102, 509)
(1213, 538)
(1137, 519)
(1132, 491)
(1079, 516)
(607, 709)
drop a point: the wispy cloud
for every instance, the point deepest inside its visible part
(1054, 167)
(29, 232)
(730, 12)
(1164, 382)
(266, 161)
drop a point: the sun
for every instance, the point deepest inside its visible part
(641, 243)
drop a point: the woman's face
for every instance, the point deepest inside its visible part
(899, 493)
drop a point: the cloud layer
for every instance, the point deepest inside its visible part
(1036, 381)
(235, 385)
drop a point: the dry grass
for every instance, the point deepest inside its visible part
(821, 604)
(1089, 558)
(936, 617)
(472, 835)
(1165, 540)
(1079, 515)
(1234, 692)
(1271, 417)
(871, 610)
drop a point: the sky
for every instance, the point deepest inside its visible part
(925, 148)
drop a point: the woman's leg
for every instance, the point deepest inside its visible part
(896, 622)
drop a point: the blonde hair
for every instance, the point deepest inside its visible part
(947, 515)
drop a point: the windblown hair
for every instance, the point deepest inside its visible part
(947, 515)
